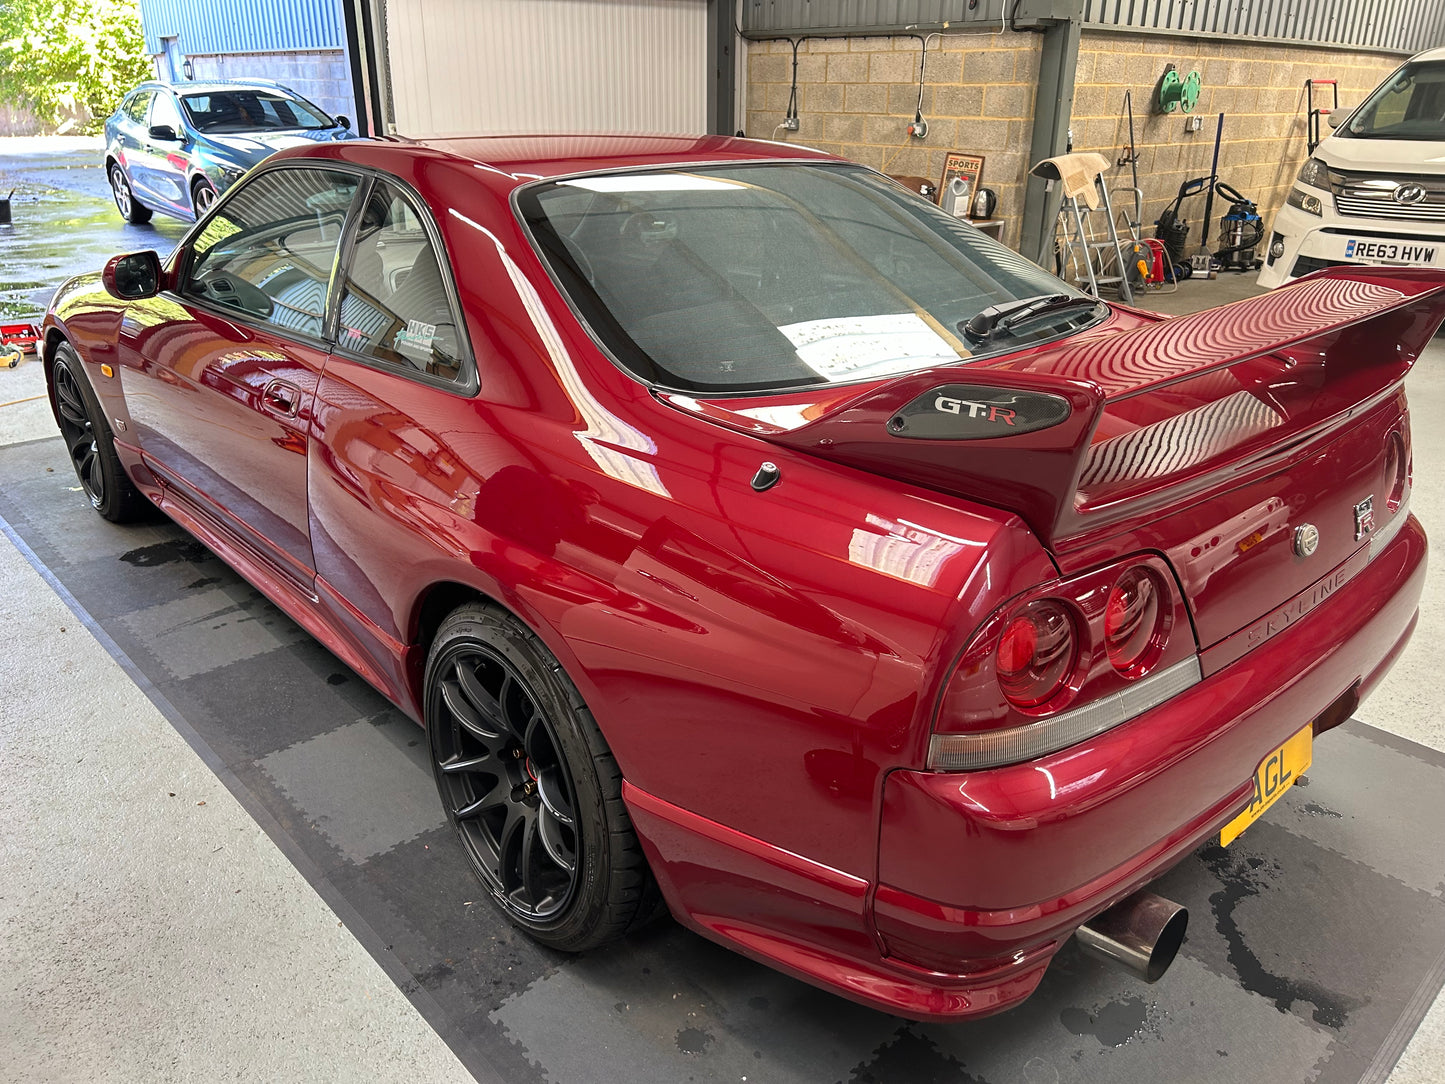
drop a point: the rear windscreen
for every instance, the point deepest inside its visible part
(762, 277)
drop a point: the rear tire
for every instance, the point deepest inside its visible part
(89, 442)
(125, 202)
(530, 786)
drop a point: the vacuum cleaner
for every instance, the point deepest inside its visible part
(1240, 232)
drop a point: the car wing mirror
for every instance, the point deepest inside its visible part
(343, 122)
(165, 133)
(1338, 117)
(133, 276)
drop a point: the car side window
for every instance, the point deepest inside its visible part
(395, 306)
(164, 111)
(269, 251)
(136, 108)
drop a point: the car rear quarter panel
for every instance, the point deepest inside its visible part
(758, 659)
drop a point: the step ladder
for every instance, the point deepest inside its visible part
(1090, 248)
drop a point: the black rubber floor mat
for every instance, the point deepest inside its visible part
(1317, 940)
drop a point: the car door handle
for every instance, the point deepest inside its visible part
(283, 397)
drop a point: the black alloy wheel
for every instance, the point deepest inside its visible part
(125, 202)
(508, 788)
(203, 196)
(89, 443)
(530, 786)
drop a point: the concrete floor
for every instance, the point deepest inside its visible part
(151, 929)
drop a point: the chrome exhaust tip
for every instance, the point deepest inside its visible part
(1142, 932)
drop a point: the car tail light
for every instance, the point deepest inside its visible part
(1036, 654)
(1399, 472)
(1063, 663)
(1133, 621)
(1397, 469)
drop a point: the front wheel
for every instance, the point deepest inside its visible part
(203, 196)
(125, 202)
(530, 785)
(88, 440)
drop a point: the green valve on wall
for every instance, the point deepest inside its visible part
(1176, 93)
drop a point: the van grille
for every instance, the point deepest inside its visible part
(1373, 195)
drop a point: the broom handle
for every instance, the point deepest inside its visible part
(1213, 176)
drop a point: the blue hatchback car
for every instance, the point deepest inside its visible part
(175, 148)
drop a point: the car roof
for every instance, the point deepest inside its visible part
(213, 86)
(523, 158)
(1431, 54)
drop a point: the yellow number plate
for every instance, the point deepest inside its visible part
(1275, 775)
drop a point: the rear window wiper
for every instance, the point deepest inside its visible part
(997, 319)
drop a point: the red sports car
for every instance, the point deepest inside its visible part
(753, 538)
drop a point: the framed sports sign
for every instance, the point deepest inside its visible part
(967, 168)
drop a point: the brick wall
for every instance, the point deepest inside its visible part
(856, 97)
(1260, 89)
(322, 77)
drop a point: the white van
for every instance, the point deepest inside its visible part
(1374, 191)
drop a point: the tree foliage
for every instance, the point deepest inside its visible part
(69, 62)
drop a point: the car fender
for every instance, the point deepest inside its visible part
(84, 315)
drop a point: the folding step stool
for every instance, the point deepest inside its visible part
(1083, 244)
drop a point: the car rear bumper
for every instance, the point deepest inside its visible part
(983, 875)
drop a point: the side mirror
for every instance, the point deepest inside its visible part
(1338, 117)
(165, 133)
(133, 276)
(343, 122)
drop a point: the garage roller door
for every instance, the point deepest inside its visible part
(464, 66)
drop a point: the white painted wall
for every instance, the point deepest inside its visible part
(483, 66)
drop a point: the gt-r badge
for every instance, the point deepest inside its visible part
(1364, 517)
(992, 411)
(1306, 539)
(977, 412)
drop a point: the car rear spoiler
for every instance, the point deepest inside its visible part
(1019, 433)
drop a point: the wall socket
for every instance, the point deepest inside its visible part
(790, 124)
(1193, 124)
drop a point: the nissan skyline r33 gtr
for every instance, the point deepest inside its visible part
(757, 542)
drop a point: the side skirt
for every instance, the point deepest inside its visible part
(308, 610)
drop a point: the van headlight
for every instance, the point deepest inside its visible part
(1307, 203)
(1315, 174)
